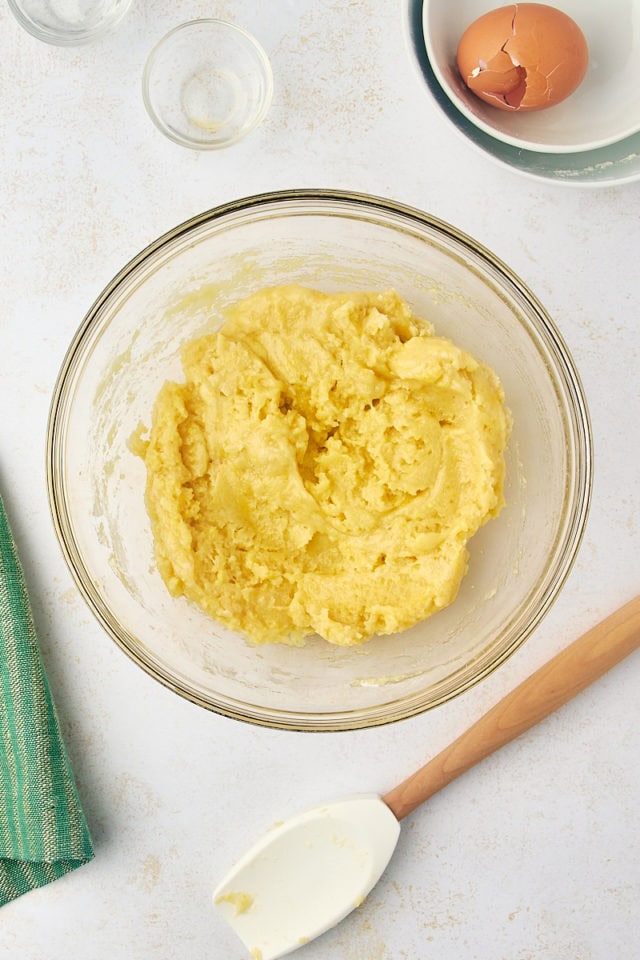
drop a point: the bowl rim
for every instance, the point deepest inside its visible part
(342, 720)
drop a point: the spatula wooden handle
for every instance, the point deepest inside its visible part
(584, 661)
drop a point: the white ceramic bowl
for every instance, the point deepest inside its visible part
(616, 164)
(603, 110)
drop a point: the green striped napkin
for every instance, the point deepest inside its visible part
(43, 833)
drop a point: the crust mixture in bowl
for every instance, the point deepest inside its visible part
(323, 466)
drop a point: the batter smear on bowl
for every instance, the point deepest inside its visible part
(323, 466)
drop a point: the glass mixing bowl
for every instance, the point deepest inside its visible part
(129, 344)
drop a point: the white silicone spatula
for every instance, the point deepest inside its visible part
(308, 873)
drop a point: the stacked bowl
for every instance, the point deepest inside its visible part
(591, 139)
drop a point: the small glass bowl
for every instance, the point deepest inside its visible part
(207, 84)
(68, 23)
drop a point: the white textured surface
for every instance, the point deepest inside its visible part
(535, 855)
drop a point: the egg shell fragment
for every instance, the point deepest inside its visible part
(525, 56)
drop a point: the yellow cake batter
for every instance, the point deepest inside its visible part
(323, 466)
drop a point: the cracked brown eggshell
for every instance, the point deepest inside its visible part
(525, 56)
